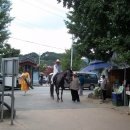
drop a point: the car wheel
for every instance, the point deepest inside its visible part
(91, 87)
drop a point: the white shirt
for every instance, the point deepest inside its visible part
(103, 84)
(57, 69)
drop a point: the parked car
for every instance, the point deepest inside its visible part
(90, 79)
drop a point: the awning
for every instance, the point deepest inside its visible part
(96, 66)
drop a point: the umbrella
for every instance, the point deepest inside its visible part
(96, 66)
(96, 62)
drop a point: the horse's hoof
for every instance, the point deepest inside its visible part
(61, 100)
(58, 100)
(52, 98)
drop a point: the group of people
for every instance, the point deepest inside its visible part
(76, 85)
(43, 79)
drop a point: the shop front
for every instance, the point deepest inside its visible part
(30, 65)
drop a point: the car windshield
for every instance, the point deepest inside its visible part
(93, 76)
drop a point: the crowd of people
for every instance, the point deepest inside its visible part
(76, 85)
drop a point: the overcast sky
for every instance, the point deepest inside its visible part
(39, 26)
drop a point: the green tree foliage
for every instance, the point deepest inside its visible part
(77, 63)
(70, 3)
(10, 52)
(100, 28)
(66, 60)
(49, 58)
(5, 19)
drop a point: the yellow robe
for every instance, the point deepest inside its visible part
(24, 86)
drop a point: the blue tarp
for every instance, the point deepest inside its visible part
(96, 66)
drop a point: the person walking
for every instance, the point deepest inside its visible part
(41, 79)
(103, 88)
(25, 81)
(56, 69)
(81, 79)
(74, 87)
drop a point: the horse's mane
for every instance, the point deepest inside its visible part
(63, 74)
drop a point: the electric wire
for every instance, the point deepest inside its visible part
(29, 23)
(36, 43)
(44, 10)
(22, 19)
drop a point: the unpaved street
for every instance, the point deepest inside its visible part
(37, 111)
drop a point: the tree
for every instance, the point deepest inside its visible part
(69, 3)
(77, 62)
(49, 58)
(5, 19)
(100, 28)
(10, 52)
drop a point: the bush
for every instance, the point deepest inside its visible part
(97, 91)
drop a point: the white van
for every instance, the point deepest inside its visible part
(90, 79)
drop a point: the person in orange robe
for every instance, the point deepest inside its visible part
(25, 81)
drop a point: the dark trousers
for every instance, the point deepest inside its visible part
(104, 92)
(81, 90)
(75, 95)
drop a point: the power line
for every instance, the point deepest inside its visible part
(56, 9)
(21, 21)
(29, 23)
(52, 6)
(38, 7)
(36, 43)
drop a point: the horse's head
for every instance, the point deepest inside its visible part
(68, 75)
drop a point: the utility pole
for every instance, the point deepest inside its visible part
(39, 60)
(71, 64)
(124, 84)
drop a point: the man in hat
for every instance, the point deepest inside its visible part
(56, 69)
(74, 87)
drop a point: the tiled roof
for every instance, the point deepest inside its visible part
(28, 58)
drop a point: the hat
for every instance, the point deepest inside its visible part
(57, 60)
(74, 73)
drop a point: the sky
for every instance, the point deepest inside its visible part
(38, 26)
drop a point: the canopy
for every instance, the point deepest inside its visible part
(96, 66)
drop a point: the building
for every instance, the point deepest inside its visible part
(29, 63)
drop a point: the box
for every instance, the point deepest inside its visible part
(117, 103)
(117, 99)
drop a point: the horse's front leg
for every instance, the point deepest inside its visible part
(61, 94)
(57, 93)
(52, 91)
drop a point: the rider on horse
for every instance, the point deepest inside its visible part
(58, 79)
(56, 69)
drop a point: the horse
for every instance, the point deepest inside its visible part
(59, 81)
